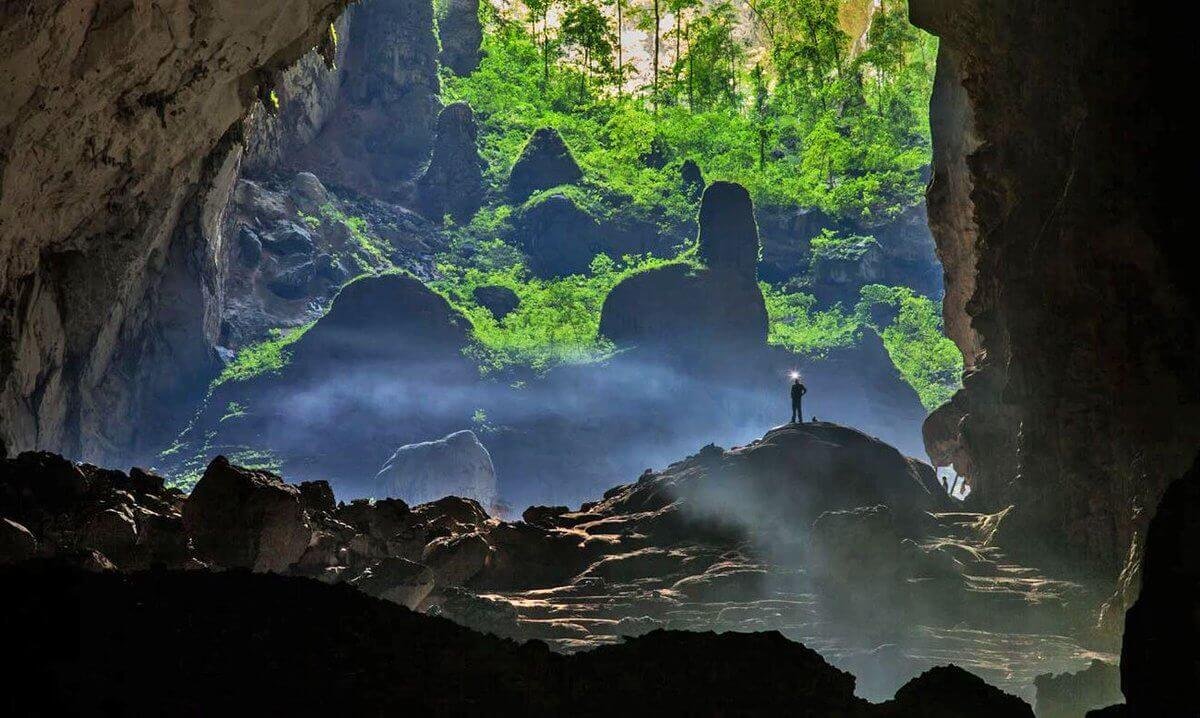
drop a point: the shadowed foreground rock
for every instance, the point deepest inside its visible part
(1160, 663)
(236, 642)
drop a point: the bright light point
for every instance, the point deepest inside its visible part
(794, 375)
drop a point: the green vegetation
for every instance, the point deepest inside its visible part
(557, 321)
(802, 119)
(799, 119)
(270, 355)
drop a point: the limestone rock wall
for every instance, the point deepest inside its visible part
(119, 121)
(1062, 218)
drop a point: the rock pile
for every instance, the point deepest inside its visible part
(545, 162)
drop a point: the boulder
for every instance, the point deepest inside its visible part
(453, 182)
(245, 518)
(317, 497)
(288, 238)
(455, 560)
(728, 232)
(113, 532)
(500, 301)
(455, 465)
(545, 162)
(1160, 667)
(461, 35)
(683, 310)
(17, 543)
(397, 580)
(308, 194)
(558, 237)
(292, 278)
(250, 247)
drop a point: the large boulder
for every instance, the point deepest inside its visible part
(455, 465)
(17, 543)
(500, 301)
(558, 236)
(1160, 667)
(453, 182)
(243, 518)
(461, 35)
(397, 580)
(728, 232)
(685, 310)
(545, 162)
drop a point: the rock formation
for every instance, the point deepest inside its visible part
(692, 310)
(500, 301)
(461, 35)
(692, 179)
(142, 132)
(357, 384)
(711, 542)
(1160, 670)
(1094, 395)
(558, 237)
(1071, 695)
(390, 73)
(457, 465)
(453, 182)
(246, 519)
(728, 232)
(262, 643)
(545, 162)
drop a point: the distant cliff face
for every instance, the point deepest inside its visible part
(1060, 217)
(118, 149)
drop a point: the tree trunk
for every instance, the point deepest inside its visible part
(620, 55)
(657, 32)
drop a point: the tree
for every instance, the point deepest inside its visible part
(714, 57)
(540, 9)
(680, 9)
(585, 28)
(761, 111)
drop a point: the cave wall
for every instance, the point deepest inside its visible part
(120, 124)
(1060, 211)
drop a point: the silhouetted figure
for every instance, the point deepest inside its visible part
(798, 392)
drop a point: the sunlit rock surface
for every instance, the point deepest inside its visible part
(817, 531)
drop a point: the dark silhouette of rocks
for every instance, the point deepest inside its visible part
(1070, 695)
(728, 232)
(1160, 667)
(453, 182)
(263, 643)
(461, 35)
(951, 692)
(500, 301)
(545, 162)
(242, 518)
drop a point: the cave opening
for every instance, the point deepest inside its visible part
(516, 253)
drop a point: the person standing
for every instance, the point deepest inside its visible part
(798, 392)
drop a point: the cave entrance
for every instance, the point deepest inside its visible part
(535, 156)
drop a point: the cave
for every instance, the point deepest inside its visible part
(287, 258)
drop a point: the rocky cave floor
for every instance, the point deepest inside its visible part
(817, 531)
